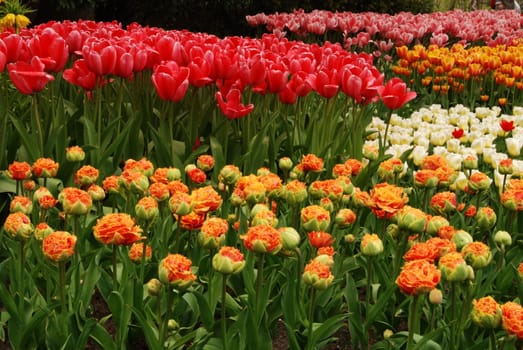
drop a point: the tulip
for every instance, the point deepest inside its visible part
(231, 105)
(395, 94)
(80, 75)
(100, 56)
(29, 78)
(171, 81)
(51, 48)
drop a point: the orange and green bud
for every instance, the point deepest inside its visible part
(315, 218)
(147, 209)
(318, 275)
(175, 270)
(74, 154)
(371, 245)
(477, 254)
(228, 260)
(486, 312)
(486, 218)
(453, 267)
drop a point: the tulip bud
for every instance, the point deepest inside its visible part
(411, 219)
(477, 254)
(42, 230)
(147, 209)
(461, 238)
(435, 296)
(344, 218)
(153, 287)
(285, 163)
(18, 225)
(229, 174)
(172, 325)
(502, 238)
(290, 238)
(392, 230)
(453, 267)
(96, 192)
(205, 162)
(434, 223)
(315, 218)
(486, 312)
(349, 238)
(486, 218)
(74, 154)
(228, 260)
(506, 166)
(470, 162)
(371, 245)
(318, 275)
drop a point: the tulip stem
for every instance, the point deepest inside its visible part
(36, 116)
(21, 273)
(493, 341)
(224, 320)
(61, 267)
(413, 321)
(311, 318)
(368, 291)
(259, 280)
(165, 319)
(115, 274)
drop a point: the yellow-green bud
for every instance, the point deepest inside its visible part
(461, 238)
(371, 245)
(502, 238)
(435, 296)
(285, 163)
(154, 286)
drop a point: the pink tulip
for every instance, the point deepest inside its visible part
(232, 108)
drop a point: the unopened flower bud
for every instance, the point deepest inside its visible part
(285, 163)
(371, 245)
(172, 325)
(154, 286)
(435, 296)
(290, 238)
(502, 238)
(349, 238)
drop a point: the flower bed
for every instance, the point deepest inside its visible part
(206, 191)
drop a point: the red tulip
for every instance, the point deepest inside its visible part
(29, 78)
(124, 62)
(458, 133)
(299, 84)
(233, 108)
(100, 56)
(277, 77)
(80, 75)
(16, 47)
(171, 81)
(51, 48)
(395, 93)
(170, 48)
(3, 55)
(200, 72)
(507, 125)
(325, 83)
(361, 82)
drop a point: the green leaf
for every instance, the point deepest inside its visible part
(206, 316)
(327, 328)
(100, 335)
(28, 141)
(149, 330)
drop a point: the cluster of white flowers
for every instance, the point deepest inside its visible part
(430, 131)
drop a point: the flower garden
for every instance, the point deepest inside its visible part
(349, 180)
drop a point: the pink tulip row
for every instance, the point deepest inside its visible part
(490, 27)
(87, 53)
